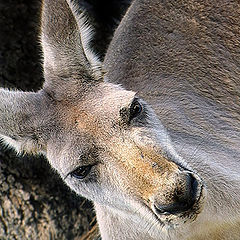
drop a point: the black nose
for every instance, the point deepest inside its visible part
(182, 199)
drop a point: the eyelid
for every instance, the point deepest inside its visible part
(87, 165)
(70, 173)
(84, 172)
(135, 99)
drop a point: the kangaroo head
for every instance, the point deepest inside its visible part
(110, 147)
(105, 142)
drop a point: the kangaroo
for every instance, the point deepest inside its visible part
(182, 57)
(166, 167)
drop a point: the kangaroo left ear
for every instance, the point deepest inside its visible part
(86, 33)
(69, 62)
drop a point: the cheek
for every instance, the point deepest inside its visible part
(87, 190)
(131, 178)
(98, 187)
(140, 180)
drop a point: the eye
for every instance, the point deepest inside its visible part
(81, 172)
(135, 109)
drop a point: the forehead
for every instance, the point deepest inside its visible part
(108, 97)
(100, 107)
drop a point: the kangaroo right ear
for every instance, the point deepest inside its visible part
(21, 120)
(68, 61)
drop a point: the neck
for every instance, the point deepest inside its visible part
(113, 226)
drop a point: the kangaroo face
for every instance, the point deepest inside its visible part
(106, 143)
(111, 148)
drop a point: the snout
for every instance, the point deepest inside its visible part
(179, 196)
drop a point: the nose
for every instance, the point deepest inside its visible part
(181, 198)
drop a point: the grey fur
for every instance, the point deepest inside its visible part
(82, 117)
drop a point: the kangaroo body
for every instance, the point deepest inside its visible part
(166, 167)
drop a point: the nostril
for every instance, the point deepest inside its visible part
(173, 208)
(182, 199)
(192, 188)
(187, 195)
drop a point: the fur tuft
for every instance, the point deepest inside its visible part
(86, 34)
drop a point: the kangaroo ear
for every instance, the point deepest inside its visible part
(21, 121)
(68, 59)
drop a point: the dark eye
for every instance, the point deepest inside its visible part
(81, 172)
(135, 110)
